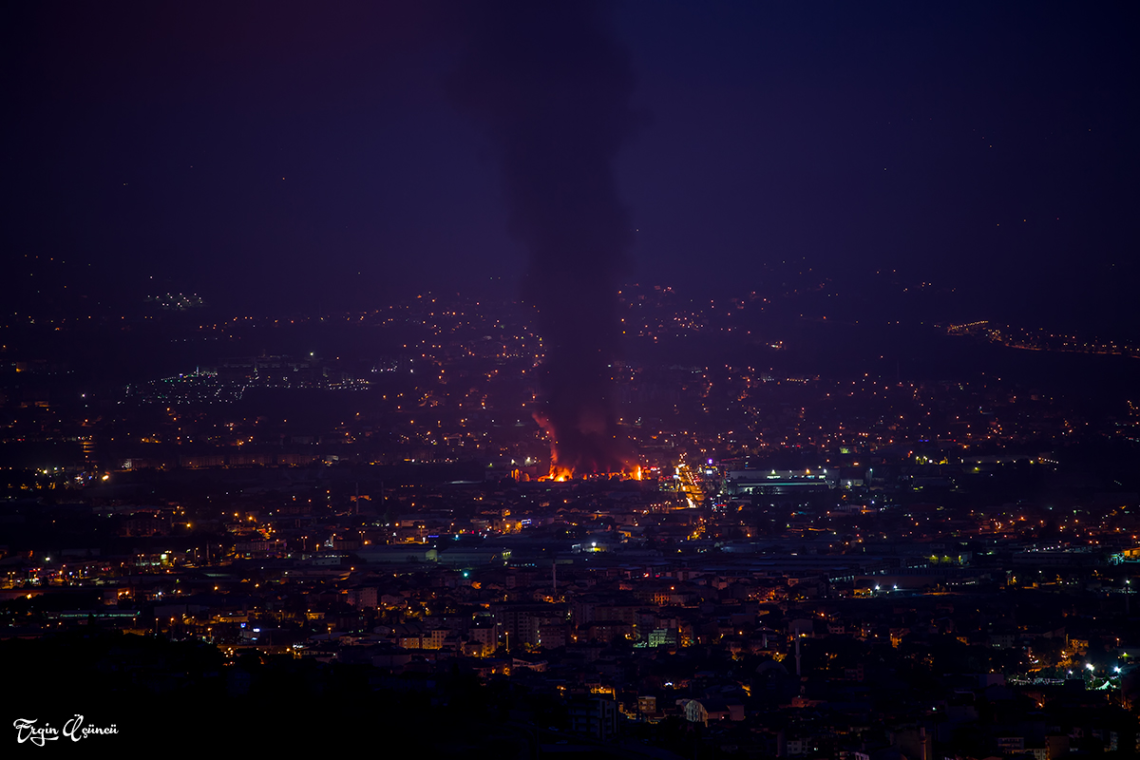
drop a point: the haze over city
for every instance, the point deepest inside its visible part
(604, 379)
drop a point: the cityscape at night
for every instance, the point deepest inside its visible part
(571, 379)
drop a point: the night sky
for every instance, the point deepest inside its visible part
(298, 156)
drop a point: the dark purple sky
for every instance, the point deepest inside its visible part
(288, 154)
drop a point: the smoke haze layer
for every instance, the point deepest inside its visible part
(555, 89)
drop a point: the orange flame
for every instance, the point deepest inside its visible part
(560, 474)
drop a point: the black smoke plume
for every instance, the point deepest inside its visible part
(555, 89)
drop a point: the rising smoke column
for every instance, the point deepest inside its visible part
(555, 89)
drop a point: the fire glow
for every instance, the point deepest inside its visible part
(564, 475)
(592, 453)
